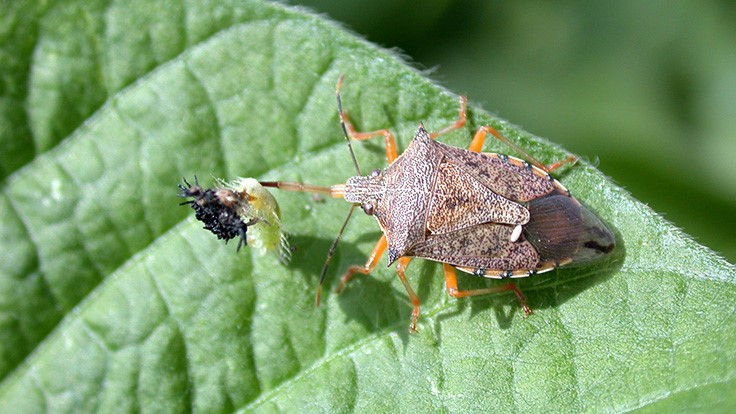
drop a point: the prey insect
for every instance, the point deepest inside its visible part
(228, 210)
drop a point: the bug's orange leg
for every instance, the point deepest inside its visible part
(459, 123)
(388, 137)
(452, 289)
(375, 255)
(400, 266)
(480, 136)
(349, 129)
(569, 160)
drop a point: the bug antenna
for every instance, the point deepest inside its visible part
(330, 253)
(342, 122)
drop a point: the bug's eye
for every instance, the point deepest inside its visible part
(375, 173)
(368, 208)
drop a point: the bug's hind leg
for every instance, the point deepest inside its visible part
(452, 289)
(480, 136)
(375, 255)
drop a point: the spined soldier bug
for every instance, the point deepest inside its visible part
(487, 214)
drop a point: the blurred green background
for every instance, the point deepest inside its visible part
(644, 89)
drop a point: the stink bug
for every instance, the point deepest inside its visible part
(487, 214)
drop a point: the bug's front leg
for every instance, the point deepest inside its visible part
(388, 137)
(452, 289)
(400, 267)
(349, 129)
(375, 255)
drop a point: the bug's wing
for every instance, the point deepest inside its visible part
(505, 176)
(461, 200)
(485, 246)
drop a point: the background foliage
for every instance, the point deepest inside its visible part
(113, 299)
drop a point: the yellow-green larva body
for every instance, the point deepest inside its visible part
(258, 204)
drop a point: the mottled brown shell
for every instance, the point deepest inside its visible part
(461, 207)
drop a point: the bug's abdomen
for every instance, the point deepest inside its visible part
(563, 230)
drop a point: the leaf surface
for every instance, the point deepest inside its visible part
(113, 299)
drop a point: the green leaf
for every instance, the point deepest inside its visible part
(113, 299)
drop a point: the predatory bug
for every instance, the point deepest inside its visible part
(229, 209)
(487, 214)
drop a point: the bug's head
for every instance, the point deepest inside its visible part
(560, 228)
(366, 191)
